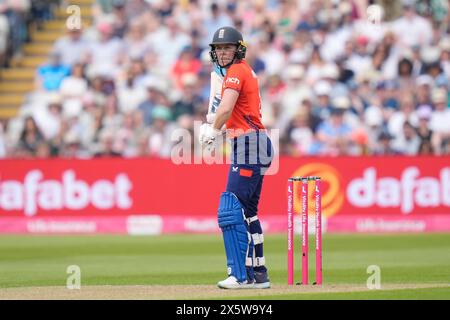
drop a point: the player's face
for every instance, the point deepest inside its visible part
(225, 53)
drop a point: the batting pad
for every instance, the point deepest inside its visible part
(235, 237)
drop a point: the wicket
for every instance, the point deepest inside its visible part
(304, 219)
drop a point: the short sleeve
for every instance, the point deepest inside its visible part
(234, 78)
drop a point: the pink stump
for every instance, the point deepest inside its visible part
(290, 228)
(318, 207)
(304, 195)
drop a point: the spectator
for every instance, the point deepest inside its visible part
(119, 19)
(406, 113)
(168, 41)
(106, 53)
(300, 133)
(186, 64)
(112, 118)
(31, 137)
(412, 29)
(125, 141)
(75, 85)
(384, 145)
(426, 148)
(106, 146)
(373, 119)
(293, 95)
(72, 147)
(322, 108)
(134, 41)
(440, 119)
(334, 133)
(424, 113)
(41, 10)
(405, 74)
(444, 45)
(16, 12)
(73, 48)
(3, 151)
(50, 120)
(315, 67)
(50, 75)
(4, 36)
(407, 143)
(189, 100)
(271, 56)
(159, 136)
(217, 18)
(155, 90)
(130, 94)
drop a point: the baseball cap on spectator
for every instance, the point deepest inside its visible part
(408, 3)
(155, 84)
(362, 40)
(185, 121)
(298, 57)
(444, 44)
(54, 98)
(161, 112)
(345, 7)
(439, 95)
(294, 72)
(360, 136)
(430, 54)
(205, 57)
(407, 53)
(340, 105)
(330, 71)
(424, 111)
(322, 88)
(368, 75)
(72, 107)
(105, 27)
(71, 138)
(342, 102)
(373, 116)
(189, 79)
(424, 80)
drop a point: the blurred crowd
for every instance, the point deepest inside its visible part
(336, 77)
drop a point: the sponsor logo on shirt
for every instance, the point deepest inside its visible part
(233, 80)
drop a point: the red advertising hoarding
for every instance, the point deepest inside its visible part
(145, 196)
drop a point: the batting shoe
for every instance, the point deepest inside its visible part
(261, 280)
(232, 283)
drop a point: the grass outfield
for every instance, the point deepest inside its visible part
(413, 266)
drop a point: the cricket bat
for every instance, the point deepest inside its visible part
(215, 96)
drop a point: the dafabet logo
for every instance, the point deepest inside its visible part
(332, 188)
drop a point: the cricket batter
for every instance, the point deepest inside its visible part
(239, 115)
